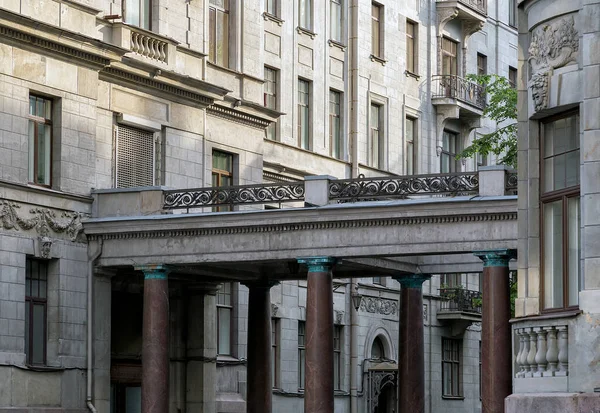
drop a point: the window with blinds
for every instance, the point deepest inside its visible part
(135, 157)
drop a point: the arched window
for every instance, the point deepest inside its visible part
(377, 351)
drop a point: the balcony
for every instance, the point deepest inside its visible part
(146, 46)
(455, 91)
(459, 304)
(470, 10)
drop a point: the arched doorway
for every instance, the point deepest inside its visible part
(383, 377)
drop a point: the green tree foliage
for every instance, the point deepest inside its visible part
(501, 108)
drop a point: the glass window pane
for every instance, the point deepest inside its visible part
(132, 12)
(336, 20)
(574, 253)
(224, 333)
(222, 51)
(553, 257)
(336, 369)
(572, 169)
(375, 41)
(560, 171)
(409, 159)
(27, 325)
(39, 334)
(133, 400)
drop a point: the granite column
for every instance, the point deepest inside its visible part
(496, 360)
(155, 340)
(411, 356)
(318, 386)
(260, 380)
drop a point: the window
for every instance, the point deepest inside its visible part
(449, 57)
(448, 161)
(481, 64)
(480, 161)
(451, 368)
(271, 7)
(512, 13)
(304, 114)
(135, 157)
(222, 173)
(378, 280)
(410, 145)
(218, 37)
(375, 138)
(301, 352)
(336, 20)
(512, 77)
(40, 140)
(377, 351)
(337, 357)
(274, 355)
(36, 280)
(451, 280)
(270, 99)
(377, 30)
(411, 46)
(137, 13)
(335, 124)
(561, 238)
(305, 13)
(224, 318)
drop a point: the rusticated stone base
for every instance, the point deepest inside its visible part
(553, 403)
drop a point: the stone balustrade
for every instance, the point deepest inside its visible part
(149, 46)
(145, 45)
(542, 351)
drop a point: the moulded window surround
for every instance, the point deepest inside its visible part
(561, 211)
(219, 32)
(377, 349)
(305, 14)
(449, 57)
(225, 319)
(376, 137)
(379, 280)
(512, 77)
(271, 92)
(40, 141)
(304, 114)
(36, 311)
(412, 47)
(512, 13)
(411, 145)
(222, 173)
(451, 368)
(336, 141)
(336, 20)
(301, 352)
(377, 27)
(137, 13)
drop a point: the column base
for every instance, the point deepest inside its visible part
(553, 403)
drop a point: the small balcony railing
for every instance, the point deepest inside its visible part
(477, 5)
(149, 46)
(455, 87)
(460, 300)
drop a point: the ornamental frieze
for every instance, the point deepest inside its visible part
(379, 305)
(45, 222)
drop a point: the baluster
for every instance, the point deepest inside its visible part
(521, 372)
(155, 54)
(145, 48)
(135, 46)
(162, 50)
(563, 351)
(532, 353)
(540, 357)
(552, 353)
(525, 352)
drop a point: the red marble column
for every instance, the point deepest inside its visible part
(411, 356)
(318, 386)
(496, 360)
(155, 340)
(259, 395)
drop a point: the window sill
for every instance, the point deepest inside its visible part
(307, 32)
(453, 397)
(378, 59)
(335, 43)
(273, 18)
(408, 73)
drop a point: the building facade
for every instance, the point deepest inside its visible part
(555, 343)
(103, 95)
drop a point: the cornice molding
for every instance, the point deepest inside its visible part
(237, 116)
(305, 226)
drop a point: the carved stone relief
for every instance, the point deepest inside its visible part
(339, 317)
(554, 44)
(274, 308)
(379, 305)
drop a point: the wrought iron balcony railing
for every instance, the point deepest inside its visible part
(458, 299)
(477, 5)
(455, 87)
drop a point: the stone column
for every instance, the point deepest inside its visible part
(155, 340)
(259, 373)
(496, 359)
(411, 356)
(318, 387)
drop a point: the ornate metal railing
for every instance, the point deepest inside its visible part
(478, 5)
(460, 300)
(234, 195)
(455, 87)
(360, 189)
(511, 182)
(148, 46)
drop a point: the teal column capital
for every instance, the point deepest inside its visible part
(319, 264)
(412, 280)
(154, 271)
(496, 258)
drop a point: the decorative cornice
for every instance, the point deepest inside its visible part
(311, 226)
(62, 50)
(43, 220)
(318, 264)
(275, 177)
(137, 81)
(378, 305)
(238, 117)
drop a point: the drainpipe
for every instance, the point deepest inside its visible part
(353, 350)
(92, 257)
(429, 318)
(354, 86)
